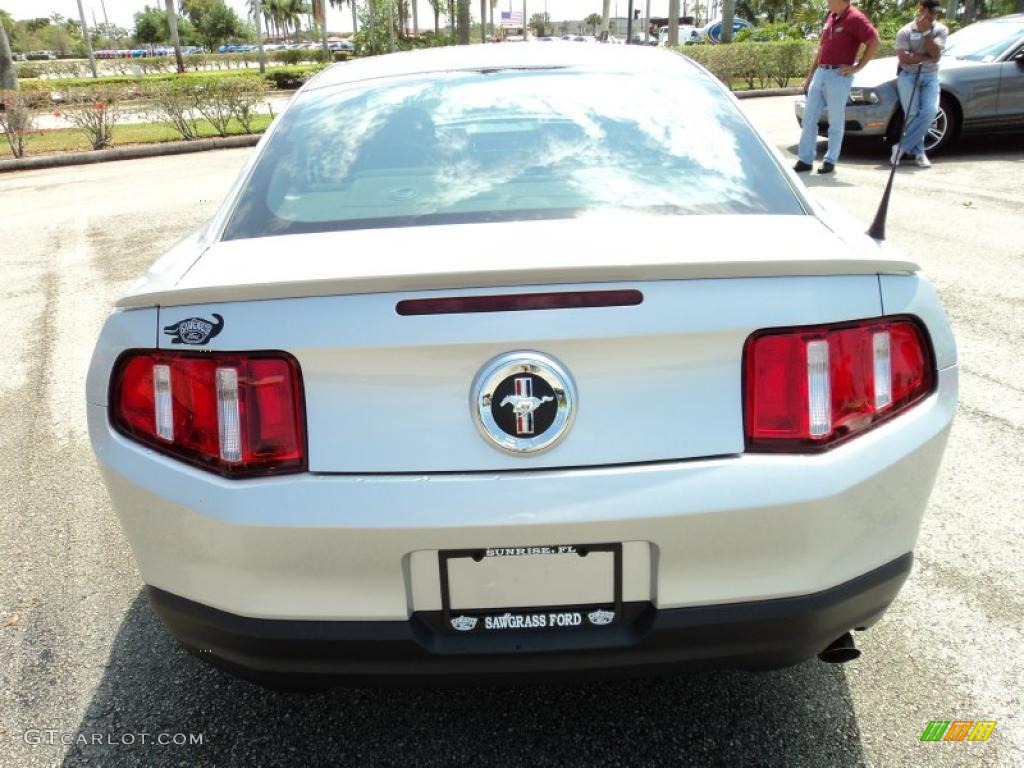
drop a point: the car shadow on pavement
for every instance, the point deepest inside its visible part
(799, 716)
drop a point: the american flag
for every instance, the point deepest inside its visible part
(512, 19)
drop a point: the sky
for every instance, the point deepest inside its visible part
(121, 12)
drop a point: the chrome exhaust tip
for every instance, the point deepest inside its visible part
(840, 650)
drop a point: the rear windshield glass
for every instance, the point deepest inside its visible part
(507, 145)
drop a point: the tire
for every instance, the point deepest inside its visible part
(942, 132)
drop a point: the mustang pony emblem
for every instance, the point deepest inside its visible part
(524, 404)
(194, 330)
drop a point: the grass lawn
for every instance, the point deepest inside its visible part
(73, 140)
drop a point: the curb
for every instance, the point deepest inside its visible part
(129, 153)
(768, 92)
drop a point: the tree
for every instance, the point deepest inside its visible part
(436, 5)
(463, 22)
(214, 21)
(172, 28)
(8, 75)
(151, 26)
(539, 23)
(728, 14)
(592, 22)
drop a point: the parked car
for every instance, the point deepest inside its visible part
(641, 38)
(341, 45)
(981, 77)
(688, 34)
(41, 56)
(484, 454)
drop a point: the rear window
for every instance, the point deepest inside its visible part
(508, 145)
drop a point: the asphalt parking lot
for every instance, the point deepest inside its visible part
(83, 660)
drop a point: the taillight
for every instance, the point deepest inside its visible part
(806, 389)
(237, 414)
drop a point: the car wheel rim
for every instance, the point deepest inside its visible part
(936, 131)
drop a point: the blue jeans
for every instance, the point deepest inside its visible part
(829, 89)
(921, 113)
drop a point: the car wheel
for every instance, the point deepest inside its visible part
(941, 133)
(944, 127)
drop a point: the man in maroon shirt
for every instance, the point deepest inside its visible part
(828, 83)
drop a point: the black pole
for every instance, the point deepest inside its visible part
(877, 228)
(629, 24)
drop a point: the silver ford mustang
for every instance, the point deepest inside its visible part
(415, 405)
(981, 77)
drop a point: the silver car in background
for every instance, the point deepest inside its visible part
(982, 81)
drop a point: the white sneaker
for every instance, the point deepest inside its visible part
(923, 161)
(896, 154)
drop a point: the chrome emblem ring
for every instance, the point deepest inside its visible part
(523, 402)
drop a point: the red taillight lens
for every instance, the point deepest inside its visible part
(809, 388)
(234, 414)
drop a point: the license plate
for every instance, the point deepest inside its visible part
(536, 588)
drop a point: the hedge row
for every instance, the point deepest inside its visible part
(41, 93)
(28, 70)
(761, 65)
(186, 105)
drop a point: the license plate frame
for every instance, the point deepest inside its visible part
(478, 553)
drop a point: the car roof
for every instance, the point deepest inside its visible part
(617, 58)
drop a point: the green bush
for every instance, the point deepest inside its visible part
(40, 92)
(16, 120)
(181, 102)
(94, 113)
(761, 65)
(290, 78)
(289, 56)
(28, 70)
(769, 33)
(175, 102)
(220, 101)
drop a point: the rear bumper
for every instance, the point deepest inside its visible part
(762, 634)
(730, 530)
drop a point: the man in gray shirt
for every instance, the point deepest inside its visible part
(919, 46)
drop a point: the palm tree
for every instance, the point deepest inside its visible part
(436, 5)
(8, 75)
(728, 13)
(172, 25)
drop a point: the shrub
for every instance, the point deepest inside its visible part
(242, 95)
(221, 100)
(182, 102)
(288, 56)
(94, 112)
(28, 70)
(16, 120)
(174, 101)
(289, 78)
(757, 64)
(761, 64)
(64, 68)
(769, 33)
